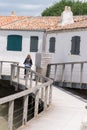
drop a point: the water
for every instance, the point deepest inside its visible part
(3, 117)
(3, 123)
(5, 90)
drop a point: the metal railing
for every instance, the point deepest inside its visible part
(35, 96)
(69, 74)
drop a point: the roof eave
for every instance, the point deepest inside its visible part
(37, 30)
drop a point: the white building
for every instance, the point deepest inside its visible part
(53, 39)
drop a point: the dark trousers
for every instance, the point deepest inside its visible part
(25, 71)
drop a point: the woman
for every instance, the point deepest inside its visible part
(27, 63)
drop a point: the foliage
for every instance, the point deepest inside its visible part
(78, 8)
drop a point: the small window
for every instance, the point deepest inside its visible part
(75, 46)
(34, 44)
(14, 43)
(52, 45)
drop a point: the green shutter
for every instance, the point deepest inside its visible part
(34, 44)
(75, 47)
(77, 44)
(52, 45)
(14, 43)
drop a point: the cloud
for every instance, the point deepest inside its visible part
(22, 7)
(2, 4)
(29, 6)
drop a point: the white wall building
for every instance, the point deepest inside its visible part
(53, 39)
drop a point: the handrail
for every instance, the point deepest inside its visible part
(23, 93)
(8, 62)
(12, 62)
(68, 63)
(40, 75)
(68, 74)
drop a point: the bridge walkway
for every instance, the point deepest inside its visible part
(67, 112)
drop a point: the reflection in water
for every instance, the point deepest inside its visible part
(3, 123)
(3, 116)
(5, 90)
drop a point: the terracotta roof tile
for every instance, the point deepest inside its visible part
(40, 23)
(4, 20)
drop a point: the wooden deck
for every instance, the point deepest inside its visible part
(67, 112)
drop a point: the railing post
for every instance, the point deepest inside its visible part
(31, 80)
(11, 79)
(36, 80)
(72, 66)
(55, 72)
(0, 69)
(18, 71)
(10, 115)
(36, 103)
(46, 95)
(63, 69)
(42, 93)
(26, 79)
(50, 94)
(13, 71)
(48, 70)
(25, 110)
(81, 75)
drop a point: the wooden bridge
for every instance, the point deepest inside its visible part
(67, 112)
(33, 84)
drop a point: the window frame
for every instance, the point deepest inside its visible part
(32, 47)
(52, 42)
(13, 43)
(75, 45)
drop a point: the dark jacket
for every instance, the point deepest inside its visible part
(28, 62)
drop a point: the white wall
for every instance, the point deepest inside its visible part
(62, 49)
(19, 56)
(62, 52)
(63, 46)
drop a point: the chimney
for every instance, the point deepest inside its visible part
(67, 16)
(13, 13)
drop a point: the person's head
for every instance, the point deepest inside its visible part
(28, 56)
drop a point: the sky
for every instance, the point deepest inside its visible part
(24, 7)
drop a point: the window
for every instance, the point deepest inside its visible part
(75, 46)
(33, 44)
(52, 45)
(14, 43)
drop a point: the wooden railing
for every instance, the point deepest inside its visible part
(5, 67)
(68, 74)
(34, 83)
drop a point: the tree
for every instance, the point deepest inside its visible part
(77, 7)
